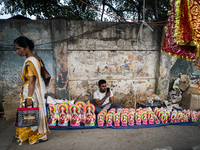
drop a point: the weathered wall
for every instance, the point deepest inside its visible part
(11, 63)
(110, 51)
(82, 53)
(118, 68)
(182, 66)
(60, 58)
(164, 75)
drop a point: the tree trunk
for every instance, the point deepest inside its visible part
(103, 10)
(156, 10)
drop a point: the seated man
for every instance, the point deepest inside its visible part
(104, 98)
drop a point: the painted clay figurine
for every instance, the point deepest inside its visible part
(185, 118)
(188, 114)
(113, 109)
(90, 116)
(116, 119)
(173, 118)
(180, 117)
(184, 111)
(68, 105)
(131, 110)
(124, 119)
(160, 114)
(151, 118)
(168, 115)
(139, 109)
(81, 104)
(194, 116)
(63, 116)
(164, 118)
(100, 119)
(198, 115)
(119, 110)
(75, 117)
(52, 121)
(155, 110)
(109, 120)
(144, 118)
(104, 110)
(156, 120)
(138, 118)
(131, 119)
(126, 110)
(104, 114)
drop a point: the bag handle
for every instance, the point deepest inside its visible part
(26, 103)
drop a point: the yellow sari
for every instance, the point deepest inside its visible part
(32, 134)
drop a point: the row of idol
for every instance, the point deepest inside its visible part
(130, 117)
(67, 114)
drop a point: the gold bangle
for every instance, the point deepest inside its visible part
(29, 97)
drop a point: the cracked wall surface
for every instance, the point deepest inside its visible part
(115, 52)
(80, 53)
(11, 62)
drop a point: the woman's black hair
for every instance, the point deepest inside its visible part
(23, 41)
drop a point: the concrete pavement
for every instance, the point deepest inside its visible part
(170, 137)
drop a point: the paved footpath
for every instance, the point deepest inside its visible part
(172, 137)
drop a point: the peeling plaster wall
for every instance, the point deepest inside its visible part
(182, 66)
(164, 75)
(111, 36)
(118, 68)
(110, 51)
(92, 51)
(60, 58)
(172, 68)
(11, 63)
(94, 65)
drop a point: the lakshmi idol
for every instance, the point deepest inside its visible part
(124, 120)
(138, 118)
(63, 116)
(151, 117)
(81, 104)
(90, 116)
(131, 119)
(100, 119)
(109, 120)
(144, 118)
(52, 121)
(75, 118)
(116, 119)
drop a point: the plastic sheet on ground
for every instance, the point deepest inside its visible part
(128, 127)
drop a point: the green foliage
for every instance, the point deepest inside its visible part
(155, 10)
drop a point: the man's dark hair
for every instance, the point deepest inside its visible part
(102, 82)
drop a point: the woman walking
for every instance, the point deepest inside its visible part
(33, 90)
